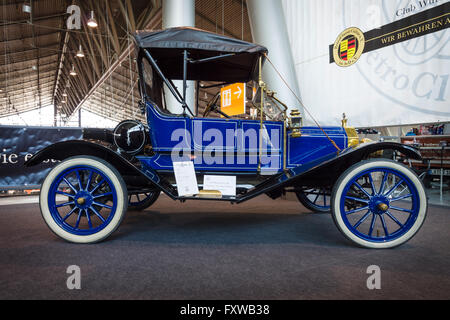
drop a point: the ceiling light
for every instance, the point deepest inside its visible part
(92, 22)
(80, 53)
(34, 68)
(73, 72)
(26, 8)
(64, 94)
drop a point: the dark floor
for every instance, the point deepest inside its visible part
(262, 249)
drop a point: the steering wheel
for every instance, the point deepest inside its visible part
(212, 106)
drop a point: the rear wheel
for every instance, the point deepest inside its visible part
(379, 204)
(141, 201)
(315, 199)
(83, 199)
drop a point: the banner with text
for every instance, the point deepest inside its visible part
(381, 62)
(18, 144)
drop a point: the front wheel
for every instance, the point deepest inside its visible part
(379, 204)
(83, 199)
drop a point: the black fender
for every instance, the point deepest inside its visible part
(366, 149)
(66, 149)
(325, 172)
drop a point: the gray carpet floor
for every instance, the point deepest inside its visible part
(262, 249)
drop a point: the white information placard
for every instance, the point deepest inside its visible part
(225, 184)
(185, 178)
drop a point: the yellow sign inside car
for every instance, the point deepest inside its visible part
(232, 99)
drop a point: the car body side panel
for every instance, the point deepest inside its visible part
(213, 144)
(313, 144)
(232, 145)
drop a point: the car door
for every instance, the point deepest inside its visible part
(233, 145)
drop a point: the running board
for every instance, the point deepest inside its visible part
(223, 198)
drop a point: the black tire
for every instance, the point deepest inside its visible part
(311, 203)
(150, 198)
(427, 181)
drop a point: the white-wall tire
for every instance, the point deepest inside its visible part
(417, 202)
(118, 192)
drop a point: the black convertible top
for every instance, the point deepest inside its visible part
(167, 47)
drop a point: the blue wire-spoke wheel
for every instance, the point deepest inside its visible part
(379, 204)
(142, 200)
(83, 199)
(315, 199)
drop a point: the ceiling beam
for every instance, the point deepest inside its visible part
(19, 73)
(115, 39)
(125, 54)
(131, 16)
(25, 79)
(227, 31)
(91, 50)
(24, 21)
(61, 58)
(48, 47)
(21, 92)
(12, 67)
(99, 43)
(22, 38)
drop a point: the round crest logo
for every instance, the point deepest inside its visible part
(348, 47)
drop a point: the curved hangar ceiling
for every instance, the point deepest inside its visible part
(39, 65)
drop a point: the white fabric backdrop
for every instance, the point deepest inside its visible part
(406, 83)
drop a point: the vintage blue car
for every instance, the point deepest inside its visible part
(375, 202)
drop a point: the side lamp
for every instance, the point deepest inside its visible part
(295, 123)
